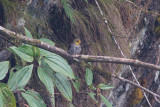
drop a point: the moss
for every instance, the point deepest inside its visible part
(136, 97)
(137, 94)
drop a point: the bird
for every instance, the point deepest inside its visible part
(75, 47)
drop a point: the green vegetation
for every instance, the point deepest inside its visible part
(51, 69)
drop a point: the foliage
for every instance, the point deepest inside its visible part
(33, 99)
(89, 80)
(52, 70)
(88, 76)
(64, 86)
(19, 79)
(68, 9)
(7, 98)
(4, 66)
(106, 102)
(105, 87)
(92, 95)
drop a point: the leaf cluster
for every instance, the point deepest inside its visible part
(52, 70)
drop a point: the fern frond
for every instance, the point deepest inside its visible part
(68, 10)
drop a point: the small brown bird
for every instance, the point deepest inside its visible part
(75, 47)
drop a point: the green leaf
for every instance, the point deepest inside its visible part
(89, 76)
(22, 54)
(36, 52)
(58, 64)
(7, 98)
(47, 41)
(27, 32)
(63, 85)
(47, 81)
(20, 78)
(33, 99)
(76, 85)
(26, 49)
(105, 87)
(4, 66)
(106, 102)
(17, 67)
(46, 67)
(44, 52)
(92, 96)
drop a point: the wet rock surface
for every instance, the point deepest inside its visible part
(144, 47)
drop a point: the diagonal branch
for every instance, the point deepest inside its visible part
(89, 58)
(143, 88)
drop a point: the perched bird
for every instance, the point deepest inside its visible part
(75, 47)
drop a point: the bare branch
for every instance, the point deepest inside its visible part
(143, 88)
(146, 11)
(89, 58)
(63, 53)
(8, 40)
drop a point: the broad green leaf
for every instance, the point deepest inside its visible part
(4, 66)
(26, 49)
(92, 96)
(63, 85)
(17, 67)
(58, 64)
(47, 81)
(36, 96)
(46, 67)
(106, 102)
(33, 99)
(76, 85)
(7, 98)
(47, 41)
(45, 52)
(11, 75)
(104, 86)
(89, 76)
(27, 32)
(22, 55)
(36, 52)
(20, 78)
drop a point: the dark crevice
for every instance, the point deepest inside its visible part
(1, 15)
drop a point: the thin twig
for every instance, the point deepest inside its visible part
(139, 86)
(128, 1)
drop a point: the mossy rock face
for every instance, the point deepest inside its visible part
(90, 28)
(137, 95)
